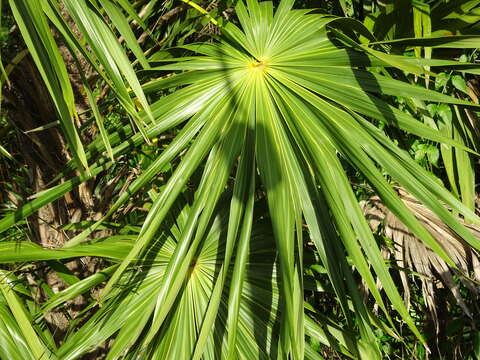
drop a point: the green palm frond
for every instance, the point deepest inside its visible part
(270, 115)
(41, 44)
(128, 309)
(295, 91)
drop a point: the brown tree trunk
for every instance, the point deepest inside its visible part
(43, 153)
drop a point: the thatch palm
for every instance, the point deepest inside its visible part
(281, 98)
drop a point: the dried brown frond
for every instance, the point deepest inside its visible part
(414, 259)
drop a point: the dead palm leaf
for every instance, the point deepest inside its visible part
(411, 255)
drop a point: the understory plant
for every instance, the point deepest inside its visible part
(259, 130)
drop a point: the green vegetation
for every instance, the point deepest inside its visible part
(230, 180)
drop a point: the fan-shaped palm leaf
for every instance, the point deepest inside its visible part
(280, 97)
(283, 81)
